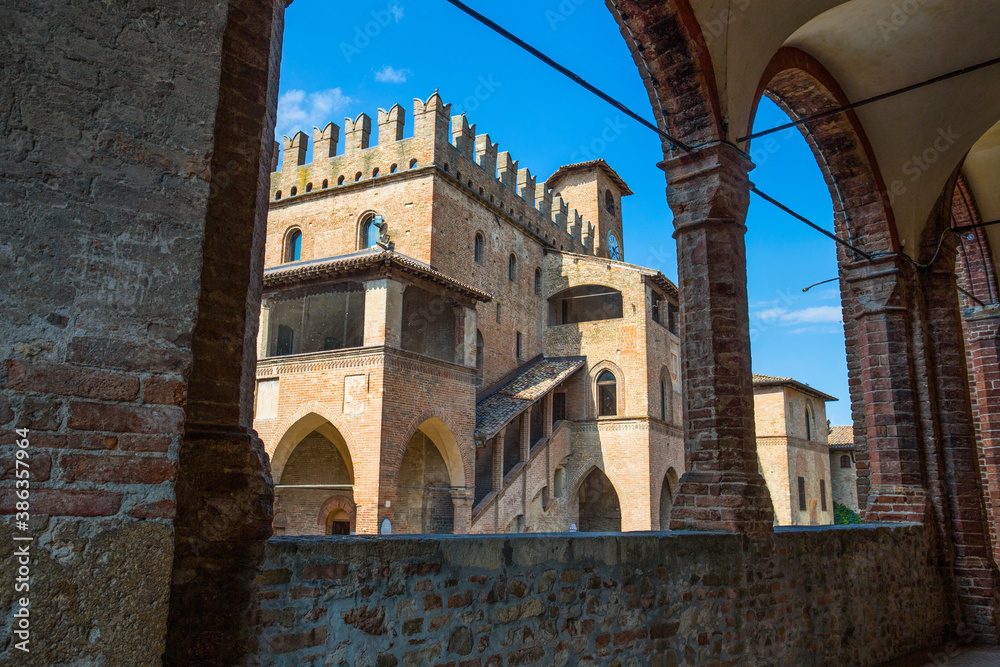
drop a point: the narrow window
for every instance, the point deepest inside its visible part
(393, 168)
(293, 246)
(277, 195)
(326, 183)
(538, 281)
(375, 172)
(664, 400)
(357, 177)
(609, 202)
(413, 164)
(498, 313)
(340, 180)
(607, 394)
(822, 494)
(845, 461)
(809, 430)
(480, 351)
(519, 345)
(309, 187)
(802, 494)
(478, 253)
(512, 268)
(294, 192)
(285, 341)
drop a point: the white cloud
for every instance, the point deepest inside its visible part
(299, 110)
(812, 315)
(390, 74)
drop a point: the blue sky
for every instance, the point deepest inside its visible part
(341, 59)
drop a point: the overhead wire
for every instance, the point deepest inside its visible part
(565, 71)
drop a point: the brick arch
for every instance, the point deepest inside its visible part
(975, 268)
(302, 422)
(435, 424)
(670, 50)
(337, 502)
(802, 86)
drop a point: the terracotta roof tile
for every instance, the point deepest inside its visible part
(841, 437)
(499, 407)
(776, 380)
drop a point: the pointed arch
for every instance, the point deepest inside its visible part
(314, 416)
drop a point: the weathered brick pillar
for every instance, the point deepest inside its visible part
(983, 338)
(708, 191)
(498, 459)
(976, 575)
(524, 437)
(462, 500)
(883, 315)
(383, 313)
(547, 415)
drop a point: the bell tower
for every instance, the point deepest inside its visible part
(596, 191)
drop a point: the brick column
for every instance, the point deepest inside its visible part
(465, 336)
(383, 313)
(983, 339)
(462, 500)
(883, 305)
(498, 460)
(524, 437)
(976, 575)
(708, 191)
(547, 415)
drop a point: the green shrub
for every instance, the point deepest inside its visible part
(843, 516)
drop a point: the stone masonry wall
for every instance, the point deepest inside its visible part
(837, 596)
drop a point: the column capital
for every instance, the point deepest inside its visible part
(708, 185)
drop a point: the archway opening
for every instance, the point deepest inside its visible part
(316, 467)
(667, 497)
(423, 502)
(600, 510)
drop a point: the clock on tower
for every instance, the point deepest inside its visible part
(614, 250)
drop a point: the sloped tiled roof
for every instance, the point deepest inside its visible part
(366, 259)
(775, 380)
(496, 409)
(583, 166)
(841, 437)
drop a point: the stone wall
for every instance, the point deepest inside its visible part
(836, 596)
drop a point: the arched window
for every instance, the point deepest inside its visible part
(480, 351)
(309, 187)
(375, 172)
(277, 195)
(393, 168)
(609, 202)
(357, 177)
(512, 268)
(293, 246)
(845, 461)
(326, 183)
(294, 191)
(340, 180)
(538, 281)
(478, 252)
(607, 394)
(413, 164)
(371, 229)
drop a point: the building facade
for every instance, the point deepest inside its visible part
(844, 467)
(793, 449)
(450, 345)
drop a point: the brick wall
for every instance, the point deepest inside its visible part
(654, 600)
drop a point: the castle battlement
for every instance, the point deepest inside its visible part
(448, 142)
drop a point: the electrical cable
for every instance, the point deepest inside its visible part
(685, 147)
(871, 100)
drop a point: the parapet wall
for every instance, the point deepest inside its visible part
(449, 143)
(856, 596)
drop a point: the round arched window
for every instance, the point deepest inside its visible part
(607, 394)
(293, 246)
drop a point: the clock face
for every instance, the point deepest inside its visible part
(614, 251)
